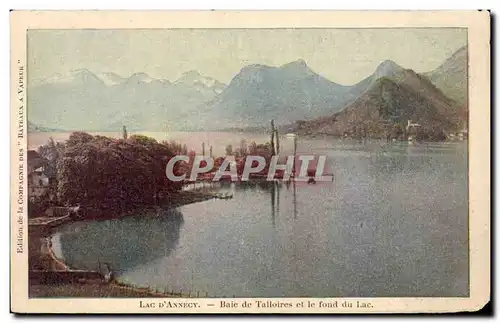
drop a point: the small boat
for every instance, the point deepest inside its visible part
(224, 196)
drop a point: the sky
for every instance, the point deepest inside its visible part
(344, 56)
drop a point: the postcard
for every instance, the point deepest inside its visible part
(250, 161)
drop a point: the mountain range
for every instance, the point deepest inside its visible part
(86, 101)
(82, 100)
(259, 93)
(392, 101)
(451, 76)
(436, 101)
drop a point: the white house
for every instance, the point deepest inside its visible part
(412, 125)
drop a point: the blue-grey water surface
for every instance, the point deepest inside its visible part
(394, 222)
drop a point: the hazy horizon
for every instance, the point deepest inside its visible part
(344, 56)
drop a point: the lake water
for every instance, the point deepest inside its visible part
(394, 222)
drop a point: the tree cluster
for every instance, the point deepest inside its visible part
(114, 174)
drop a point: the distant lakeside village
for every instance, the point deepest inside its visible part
(45, 162)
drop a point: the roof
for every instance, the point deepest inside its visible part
(32, 154)
(35, 160)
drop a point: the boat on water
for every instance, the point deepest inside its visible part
(224, 196)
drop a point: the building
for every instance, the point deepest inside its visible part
(38, 181)
(413, 130)
(412, 126)
(463, 135)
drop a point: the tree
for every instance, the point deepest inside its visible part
(252, 149)
(175, 147)
(300, 124)
(277, 141)
(397, 131)
(243, 148)
(51, 151)
(143, 139)
(273, 152)
(114, 174)
(77, 138)
(263, 150)
(125, 135)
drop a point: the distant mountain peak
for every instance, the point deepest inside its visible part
(299, 65)
(110, 78)
(461, 50)
(389, 63)
(81, 71)
(387, 68)
(191, 73)
(451, 76)
(254, 67)
(110, 74)
(194, 78)
(81, 75)
(190, 77)
(141, 77)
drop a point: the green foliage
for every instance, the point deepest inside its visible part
(300, 124)
(124, 133)
(78, 138)
(144, 140)
(113, 173)
(52, 152)
(175, 147)
(38, 204)
(397, 131)
(254, 149)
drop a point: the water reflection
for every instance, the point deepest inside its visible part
(121, 243)
(392, 223)
(275, 200)
(273, 188)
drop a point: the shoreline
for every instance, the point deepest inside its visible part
(82, 287)
(42, 260)
(48, 223)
